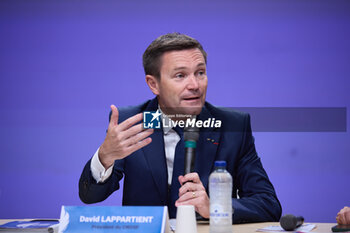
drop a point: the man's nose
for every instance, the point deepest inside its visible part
(192, 82)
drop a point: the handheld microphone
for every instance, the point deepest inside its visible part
(191, 136)
(290, 222)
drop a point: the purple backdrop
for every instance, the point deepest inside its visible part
(62, 63)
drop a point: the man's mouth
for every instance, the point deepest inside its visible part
(192, 98)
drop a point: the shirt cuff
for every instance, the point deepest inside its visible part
(98, 171)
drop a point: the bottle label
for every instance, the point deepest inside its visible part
(218, 213)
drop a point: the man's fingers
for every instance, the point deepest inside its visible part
(195, 185)
(190, 187)
(130, 122)
(192, 198)
(132, 131)
(199, 199)
(139, 145)
(135, 139)
(115, 116)
(192, 177)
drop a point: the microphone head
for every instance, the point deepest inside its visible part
(191, 134)
(288, 222)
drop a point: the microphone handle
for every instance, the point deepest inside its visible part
(189, 159)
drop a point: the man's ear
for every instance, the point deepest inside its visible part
(153, 84)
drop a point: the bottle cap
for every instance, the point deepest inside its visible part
(220, 163)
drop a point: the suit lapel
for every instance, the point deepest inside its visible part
(155, 156)
(207, 147)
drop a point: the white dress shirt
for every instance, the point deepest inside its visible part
(171, 138)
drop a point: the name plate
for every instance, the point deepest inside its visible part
(114, 218)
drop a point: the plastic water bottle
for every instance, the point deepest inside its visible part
(220, 192)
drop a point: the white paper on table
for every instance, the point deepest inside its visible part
(307, 227)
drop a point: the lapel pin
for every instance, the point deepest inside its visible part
(212, 141)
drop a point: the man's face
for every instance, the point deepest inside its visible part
(183, 84)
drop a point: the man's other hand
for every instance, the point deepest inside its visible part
(193, 193)
(123, 139)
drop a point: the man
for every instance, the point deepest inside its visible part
(151, 161)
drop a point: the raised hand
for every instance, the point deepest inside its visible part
(123, 139)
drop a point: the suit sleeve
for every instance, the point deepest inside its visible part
(91, 192)
(257, 200)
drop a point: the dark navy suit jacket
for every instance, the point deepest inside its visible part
(146, 177)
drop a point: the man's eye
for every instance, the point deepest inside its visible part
(201, 73)
(179, 76)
